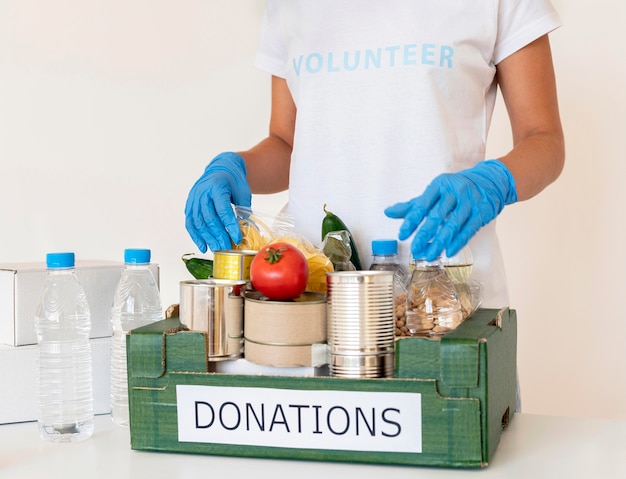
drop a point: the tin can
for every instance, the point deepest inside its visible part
(232, 264)
(360, 322)
(215, 307)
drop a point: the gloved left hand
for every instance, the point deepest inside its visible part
(210, 219)
(454, 207)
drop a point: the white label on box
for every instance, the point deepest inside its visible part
(338, 420)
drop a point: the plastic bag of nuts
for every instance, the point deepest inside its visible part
(469, 295)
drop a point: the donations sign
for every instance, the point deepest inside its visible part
(339, 420)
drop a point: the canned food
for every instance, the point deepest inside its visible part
(215, 307)
(377, 365)
(232, 264)
(361, 326)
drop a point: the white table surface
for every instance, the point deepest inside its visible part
(532, 447)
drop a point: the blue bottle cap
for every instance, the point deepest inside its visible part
(60, 260)
(136, 256)
(384, 246)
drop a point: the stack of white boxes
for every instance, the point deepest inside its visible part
(21, 286)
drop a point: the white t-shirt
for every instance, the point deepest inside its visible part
(389, 95)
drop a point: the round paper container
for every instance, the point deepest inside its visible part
(280, 333)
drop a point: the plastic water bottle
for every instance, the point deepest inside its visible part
(63, 324)
(137, 302)
(385, 258)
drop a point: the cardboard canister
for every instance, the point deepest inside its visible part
(284, 333)
(215, 307)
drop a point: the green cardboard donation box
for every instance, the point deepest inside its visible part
(446, 405)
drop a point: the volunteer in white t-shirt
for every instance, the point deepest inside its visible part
(373, 101)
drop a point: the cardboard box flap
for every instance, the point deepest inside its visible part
(149, 349)
(460, 349)
(187, 351)
(460, 362)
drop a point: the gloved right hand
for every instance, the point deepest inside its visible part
(209, 216)
(454, 207)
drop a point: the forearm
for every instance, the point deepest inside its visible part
(267, 165)
(535, 162)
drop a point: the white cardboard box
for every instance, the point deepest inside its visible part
(18, 377)
(21, 285)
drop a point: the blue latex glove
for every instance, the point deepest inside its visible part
(454, 207)
(210, 219)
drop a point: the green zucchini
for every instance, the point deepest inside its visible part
(200, 268)
(332, 222)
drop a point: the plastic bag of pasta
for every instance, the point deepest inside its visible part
(259, 229)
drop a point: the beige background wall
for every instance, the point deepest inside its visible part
(109, 110)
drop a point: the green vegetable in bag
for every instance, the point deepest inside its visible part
(332, 222)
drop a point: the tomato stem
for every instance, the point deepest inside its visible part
(273, 255)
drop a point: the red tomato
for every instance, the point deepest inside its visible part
(279, 271)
